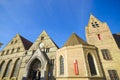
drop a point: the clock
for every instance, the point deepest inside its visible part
(42, 45)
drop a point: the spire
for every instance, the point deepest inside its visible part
(74, 40)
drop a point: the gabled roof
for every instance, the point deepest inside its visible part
(74, 40)
(117, 38)
(93, 19)
(26, 43)
(47, 39)
(18, 42)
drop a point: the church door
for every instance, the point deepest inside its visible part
(34, 72)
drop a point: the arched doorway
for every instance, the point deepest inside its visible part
(34, 72)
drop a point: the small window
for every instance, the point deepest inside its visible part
(99, 36)
(113, 75)
(18, 49)
(2, 53)
(12, 42)
(97, 25)
(93, 25)
(12, 51)
(16, 41)
(106, 54)
(42, 38)
(7, 52)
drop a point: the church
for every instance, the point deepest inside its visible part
(95, 59)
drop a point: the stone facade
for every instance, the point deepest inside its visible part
(96, 59)
(101, 36)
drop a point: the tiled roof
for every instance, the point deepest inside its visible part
(26, 43)
(117, 38)
(74, 40)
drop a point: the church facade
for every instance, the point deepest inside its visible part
(96, 59)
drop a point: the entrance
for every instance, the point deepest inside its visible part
(34, 72)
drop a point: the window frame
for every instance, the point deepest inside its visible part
(61, 65)
(106, 54)
(113, 74)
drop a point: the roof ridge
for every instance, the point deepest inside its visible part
(74, 39)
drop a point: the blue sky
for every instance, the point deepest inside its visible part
(58, 17)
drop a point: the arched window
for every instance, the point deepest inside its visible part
(91, 65)
(2, 66)
(16, 68)
(61, 65)
(7, 70)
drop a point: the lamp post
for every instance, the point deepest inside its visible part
(1, 44)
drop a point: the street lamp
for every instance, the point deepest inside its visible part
(1, 44)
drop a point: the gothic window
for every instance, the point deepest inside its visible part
(61, 65)
(2, 66)
(7, 70)
(113, 75)
(106, 54)
(91, 65)
(16, 68)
